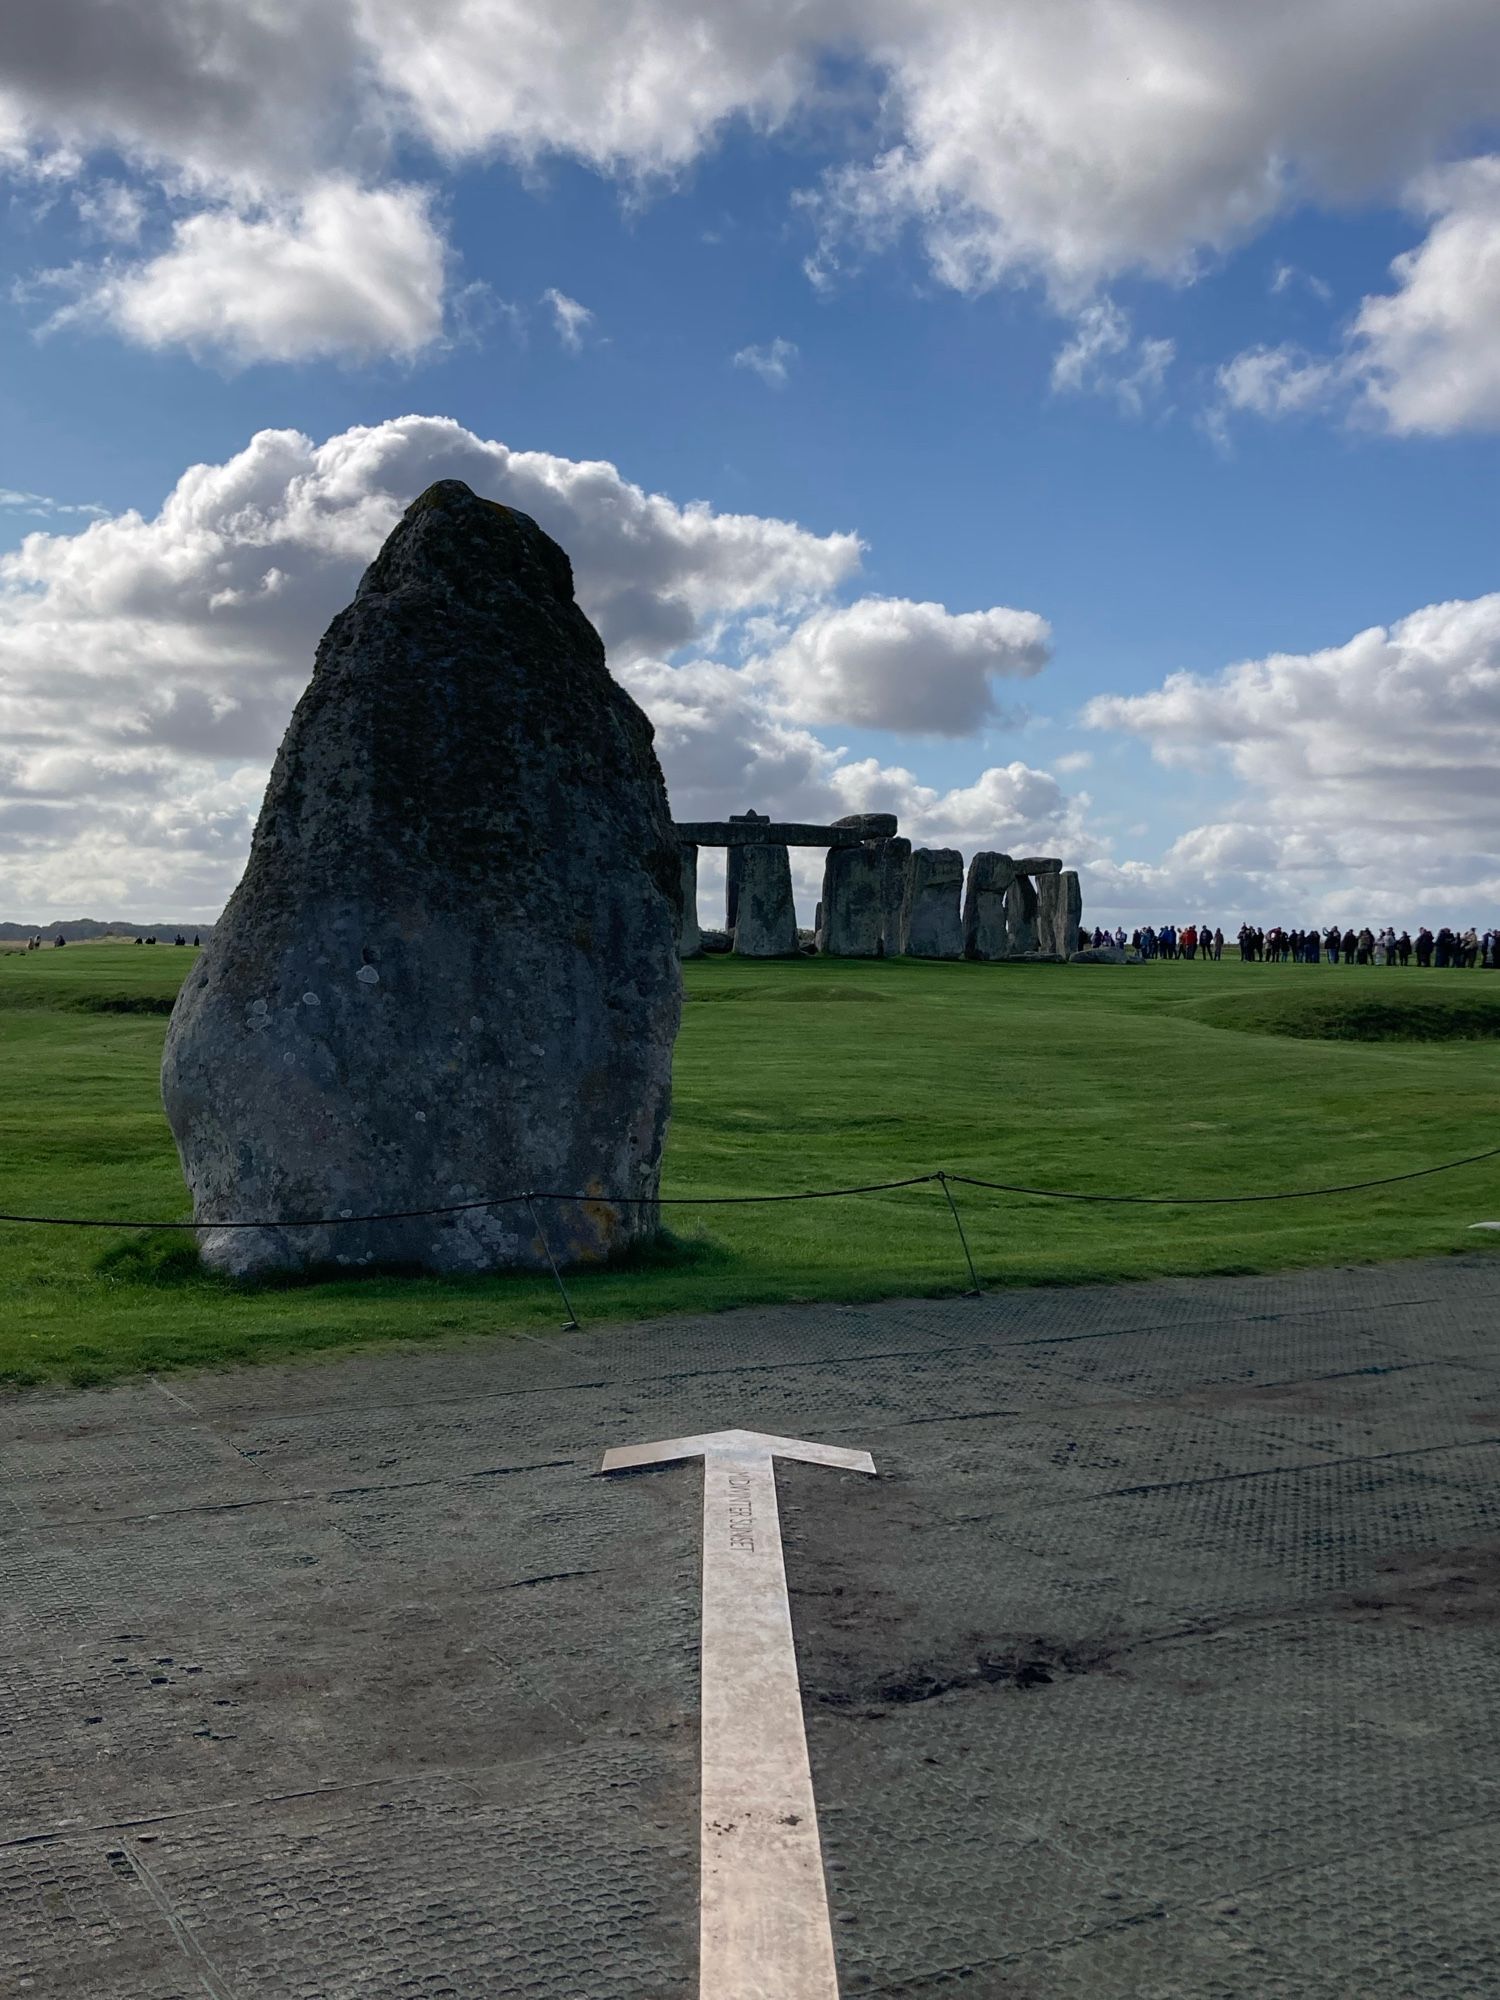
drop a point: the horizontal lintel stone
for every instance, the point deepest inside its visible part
(768, 833)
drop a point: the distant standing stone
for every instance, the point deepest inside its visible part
(734, 864)
(1020, 917)
(765, 913)
(990, 877)
(450, 969)
(895, 889)
(853, 901)
(1048, 914)
(689, 938)
(1069, 912)
(934, 924)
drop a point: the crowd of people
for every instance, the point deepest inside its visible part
(1444, 948)
(1172, 941)
(36, 943)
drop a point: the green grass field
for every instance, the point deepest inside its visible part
(1170, 1079)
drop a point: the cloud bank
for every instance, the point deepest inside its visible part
(1065, 144)
(1366, 772)
(151, 664)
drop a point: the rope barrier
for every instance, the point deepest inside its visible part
(1222, 1200)
(462, 1207)
(527, 1198)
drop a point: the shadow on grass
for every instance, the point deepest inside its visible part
(1409, 1015)
(125, 1003)
(162, 1257)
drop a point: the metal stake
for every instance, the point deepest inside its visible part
(977, 1292)
(570, 1325)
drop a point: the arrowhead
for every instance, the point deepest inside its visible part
(734, 1444)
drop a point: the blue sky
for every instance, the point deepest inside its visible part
(1243, 458)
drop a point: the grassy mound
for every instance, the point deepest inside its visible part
(1104, 1080)
(1413, 1012)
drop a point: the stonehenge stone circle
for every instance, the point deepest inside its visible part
(934, 922)
(881, 899)
(985, 927)
(765, 923)
(449, 971)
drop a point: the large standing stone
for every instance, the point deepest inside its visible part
(895, 887)
(1070, 912)
(990, 876)
(765, 914)
(853, 902)
(690, 937)
(734, 868)
(450, 969)
(934, 926)
(1020, 917)
(1049, 914)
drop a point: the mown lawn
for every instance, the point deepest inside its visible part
(1176, 1079)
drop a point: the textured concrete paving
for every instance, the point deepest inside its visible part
(1163, 1659)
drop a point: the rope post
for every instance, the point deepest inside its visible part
(570, 1324)
(978, 1291)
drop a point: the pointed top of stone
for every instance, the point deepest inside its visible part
(450, 542)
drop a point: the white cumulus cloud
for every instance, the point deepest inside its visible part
(1428, 351)
(1069, 142)
(344, 271)
(152, 661)
(1366, 770)
(890, 663)
(1419, 360)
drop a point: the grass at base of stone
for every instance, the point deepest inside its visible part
(1089, 1077)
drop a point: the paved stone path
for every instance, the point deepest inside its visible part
(1163, 1658)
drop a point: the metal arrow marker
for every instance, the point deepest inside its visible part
(764, 1932)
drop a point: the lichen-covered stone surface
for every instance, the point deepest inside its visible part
(895, 888)
(450, 970)
(853, 902)
(934, 923)
(1049, 915)
(1070, 911)
(765, 914)
(733, 861)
